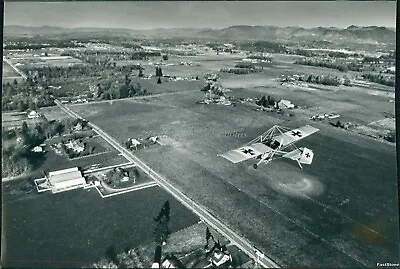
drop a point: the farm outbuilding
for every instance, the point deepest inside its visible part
(33, 115)
(67, 179)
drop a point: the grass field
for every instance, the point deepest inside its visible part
(53, 113)
(75, 228)
(337, 212)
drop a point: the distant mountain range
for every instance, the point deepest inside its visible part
(369, 34)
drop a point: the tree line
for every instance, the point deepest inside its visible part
(380, 79)
(321, 63)
(264, 46)
(23, 45)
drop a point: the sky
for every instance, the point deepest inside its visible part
(202, 14)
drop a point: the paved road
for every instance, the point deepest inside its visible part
(238, 240)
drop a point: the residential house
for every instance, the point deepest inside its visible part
(171, 261)
(220, 258)
(76, 146)
(33, 115)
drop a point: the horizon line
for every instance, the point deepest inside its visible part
(200, 28)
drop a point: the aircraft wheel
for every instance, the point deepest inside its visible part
(255, 166)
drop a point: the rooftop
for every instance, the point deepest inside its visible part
(64, 175)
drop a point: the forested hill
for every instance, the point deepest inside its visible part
(369, 34)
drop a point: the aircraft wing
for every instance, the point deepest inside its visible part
(246, 152)
(294, 155)
(295, 135)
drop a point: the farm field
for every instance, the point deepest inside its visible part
(18, 123)
(12, 120)
(336, 210)
(76, 228)
(168, 87)
(33, 60)
(53, 113)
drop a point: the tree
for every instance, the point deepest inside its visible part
(25, 130)
(271, 101)
(206, 88)
(158, 72)
(347, 82)
(32, 106)
(59, 128)
(391, 136)
(21, 105)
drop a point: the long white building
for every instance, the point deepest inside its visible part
(66, 179)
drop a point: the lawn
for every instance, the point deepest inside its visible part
(76, 228)
(134, 179)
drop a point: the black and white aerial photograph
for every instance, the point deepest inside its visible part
(199, 134)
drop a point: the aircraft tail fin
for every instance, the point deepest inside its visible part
(307, 156)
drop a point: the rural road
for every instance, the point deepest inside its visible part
(236, 239)
(15, 68)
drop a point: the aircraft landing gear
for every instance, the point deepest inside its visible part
(255, 166)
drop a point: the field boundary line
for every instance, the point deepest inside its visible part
(129, 164)
(130, 189)
(135, 188)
